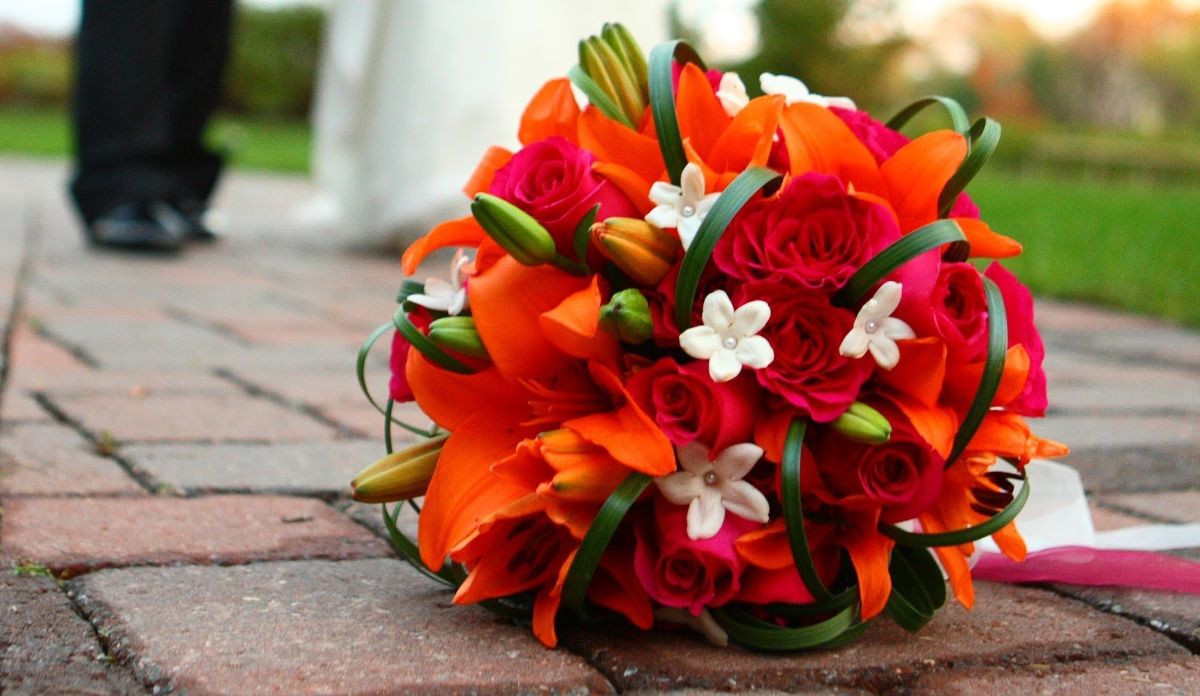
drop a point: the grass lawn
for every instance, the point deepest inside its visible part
(281, 146)
(1129, 245)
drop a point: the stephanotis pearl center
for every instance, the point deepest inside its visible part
(688, 210)
(871, 326)
(731, 343)
(710, 478)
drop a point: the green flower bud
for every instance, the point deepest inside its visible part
(862, 423)
(458, 334)
(513, 229)
(401, 475)
(627, 316)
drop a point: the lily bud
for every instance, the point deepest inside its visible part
(401, 475)
(862, 423)
(601, 61)
(513, 229)
(627, 316)
(644, 252)
(458, 334)
(625, 46)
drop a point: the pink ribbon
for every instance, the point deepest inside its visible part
(1083, 565)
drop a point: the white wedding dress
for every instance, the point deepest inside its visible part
(411, 93)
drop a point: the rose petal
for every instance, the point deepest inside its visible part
(745, 501)
(700, 342)
(750, 318)
(681, 487)
(705, 516)
(735, 462)
(724, 365)
(755, 352)
(718, 310)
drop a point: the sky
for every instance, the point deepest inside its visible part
(1052, 17)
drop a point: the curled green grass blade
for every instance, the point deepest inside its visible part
(745, 629)
(993, 370)
(962, 536)
(731, 200)
(907, 248)
(984, 137)
(595, 542)
(958, 116)
(662, 101)
(596, 96)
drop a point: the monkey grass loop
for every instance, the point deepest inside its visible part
(361, 372)
(910, 246)
(746, 629)
(993, 370)
(595, 542)
(597, 96)
(731, 200)
(661, 77)
(983, 138)
(958, 115)
(962, 536)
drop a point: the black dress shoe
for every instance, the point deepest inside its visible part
(147, 226)
(195, 213)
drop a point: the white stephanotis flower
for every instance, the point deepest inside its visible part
(796, 91)
(876, 330)
(727, 339)
(709, 488)
(449, 297)
(682, 207)
(732, 93)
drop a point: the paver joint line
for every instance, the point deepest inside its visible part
(253, 389)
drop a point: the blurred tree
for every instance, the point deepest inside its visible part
(274, 60)
(837, 47)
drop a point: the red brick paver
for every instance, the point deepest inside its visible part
(315, 627)
(78, 535)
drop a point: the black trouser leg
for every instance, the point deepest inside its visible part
(148, 73)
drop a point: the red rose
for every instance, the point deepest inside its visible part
(1018, 305)
(684, 573)
(552, 180)
(662, 303)
(958, 309)
(398, 387)
(883, 142)
(814, 235)
(805, 330)
(903, 476)
(688, 406)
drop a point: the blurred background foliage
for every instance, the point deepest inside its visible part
(1096, 174)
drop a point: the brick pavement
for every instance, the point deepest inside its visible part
(176, 434)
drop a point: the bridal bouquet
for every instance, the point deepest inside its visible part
(714, 360)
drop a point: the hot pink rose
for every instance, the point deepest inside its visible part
(958, 310)
(398, 387)
(662, 303)
(552, 180)
(903, 476)
(679, 572)
(883, 142)
(689, 406)
(805, 331)
(1018, 305)
(814, 235)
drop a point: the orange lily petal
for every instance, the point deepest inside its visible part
(626, 432)
(921, 370)
(961, 389)
(574, 326)
(959, 574)
(986, 243)
(1010, 542)
(463, 490)
(935, 424)
(916, 174)
(551, 112)
(610, 141)
(630, 183)
(770, 433)
(747, 140)
(767, 547)
(493, 159)
(507, 300)
(616, 587)
(461, 232)
(449, 398)
(702, 119)
(870, 552)
(818, 141)
(545, 607)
